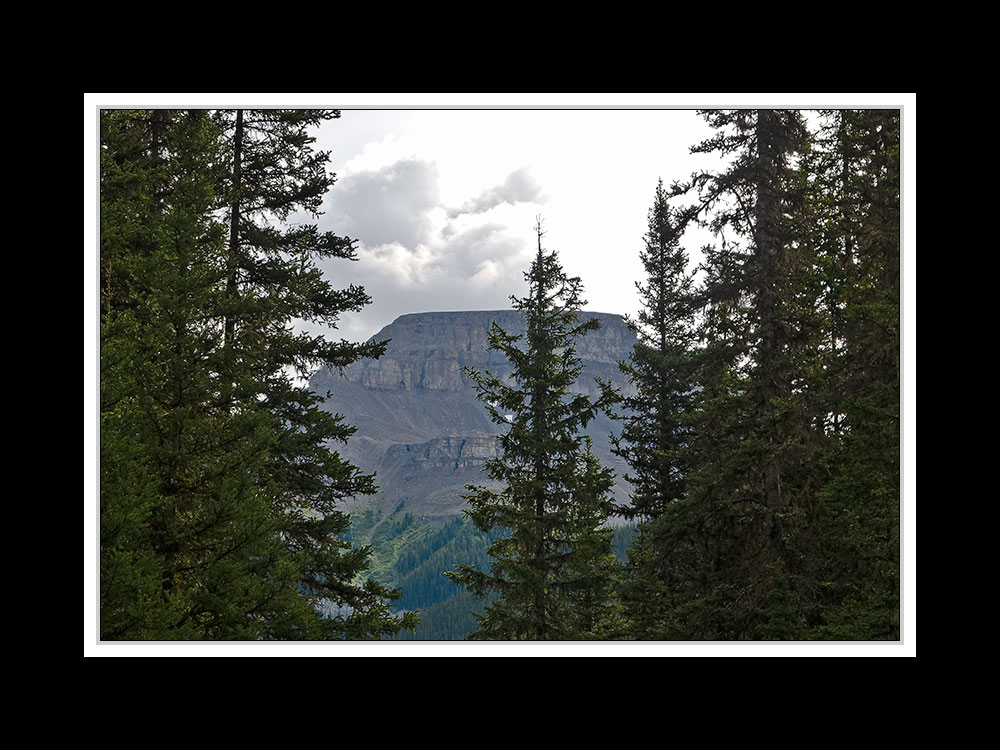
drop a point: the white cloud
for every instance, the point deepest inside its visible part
(519, 187)
(414, 255)
(386, 205)
(443, 202)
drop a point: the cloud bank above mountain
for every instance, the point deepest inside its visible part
(417, 254)
(442, 202)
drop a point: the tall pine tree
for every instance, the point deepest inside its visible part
(856, 193)
(654, 438)
(729, 552)
(220, 480)
(274, 188)
(551, 574)
(789, 525)
(656, 435)
(185, 538)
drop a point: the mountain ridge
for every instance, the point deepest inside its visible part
(420, 426)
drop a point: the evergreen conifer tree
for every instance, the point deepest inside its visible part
(657, 415)
(220, 482)
(273, 280)
(729, 552)
(183, 534)
(655, 433)
(551, 574)
(856, 524)
(789, 524)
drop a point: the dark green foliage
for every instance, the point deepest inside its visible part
(448, 619)
(272, 280)
(725, 555)
(856, 193)
(656, 428)
(271, 274)
(446, 612)
(219, 490)
(551, 575)
(423, 556)
(656, 436)
(789, 525)
(177, 521)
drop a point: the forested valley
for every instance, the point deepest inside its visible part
(760, 426)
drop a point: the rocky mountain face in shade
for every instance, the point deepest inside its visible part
(419, 423)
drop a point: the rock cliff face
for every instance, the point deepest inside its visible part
(419, 423)
(430, 350)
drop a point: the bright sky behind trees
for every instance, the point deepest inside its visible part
(442, 202)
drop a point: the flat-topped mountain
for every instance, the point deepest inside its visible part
(419, 423)
(429, 350)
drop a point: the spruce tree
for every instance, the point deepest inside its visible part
(856, 192)
(184, 535)
(789, 524)
(656, 434)
(220, 480)
(273, 192)
(729, 552)
(551, 573)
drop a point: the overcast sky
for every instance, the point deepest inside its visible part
(442, 203)
(441, 191)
